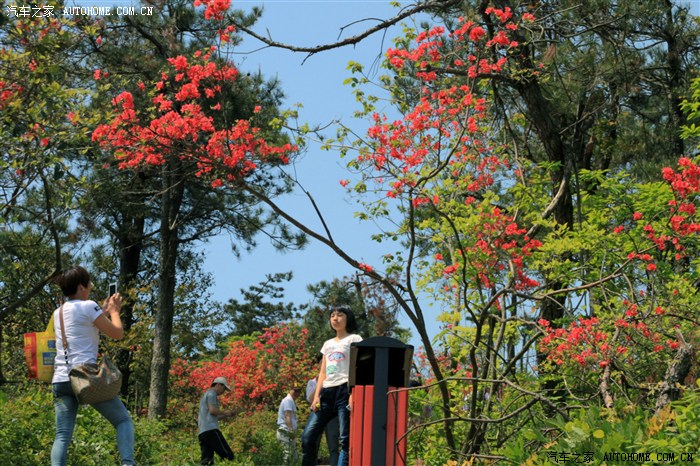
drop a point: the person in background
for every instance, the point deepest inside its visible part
(287, 426)
(84, 319)
(211, 440)
(332, 397)
(331, 430)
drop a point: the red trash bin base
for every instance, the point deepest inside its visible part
(362, 425)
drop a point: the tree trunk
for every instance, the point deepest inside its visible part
(130, 248)
(540, 113)
(172, 196)
(677, 371)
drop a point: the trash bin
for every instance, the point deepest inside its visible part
(379, 419)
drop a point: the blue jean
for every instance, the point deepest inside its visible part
(334, 403)
(332, 441)
(66, 408)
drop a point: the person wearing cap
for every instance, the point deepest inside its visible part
(332, 396)
(287, 426)
(211, 440)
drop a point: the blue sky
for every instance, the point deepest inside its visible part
(317, 83)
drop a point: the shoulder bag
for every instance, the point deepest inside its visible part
(92, 383)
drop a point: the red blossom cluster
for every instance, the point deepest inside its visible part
(183, 123)
(446, 117)
(685, 184)
(427, 55)
(365, 267)
(499, 243)
(259, 372)
(586, 343)
(438, 116)
(582, 342)
(449, 365)
(215, 9)
(8, 92)
(682, 222)
(447, 128)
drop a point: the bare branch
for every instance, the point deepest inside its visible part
(350, 40)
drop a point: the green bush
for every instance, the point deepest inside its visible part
(601, 432)
(27, 420)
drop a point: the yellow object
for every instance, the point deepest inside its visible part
(40, 352)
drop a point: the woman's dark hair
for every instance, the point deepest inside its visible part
(352, 323)
(71, 278)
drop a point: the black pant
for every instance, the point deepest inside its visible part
(213, 441)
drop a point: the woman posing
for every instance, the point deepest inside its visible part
(84, 319)
(332, 397)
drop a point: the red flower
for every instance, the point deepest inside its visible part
(365, 267)
(450, 269)
(477, 33)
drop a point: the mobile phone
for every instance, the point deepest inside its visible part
(112, 289)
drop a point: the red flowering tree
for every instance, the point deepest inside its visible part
(438, 175)
(260, 370)
(643, 326)
(181, 128)
(182, 124)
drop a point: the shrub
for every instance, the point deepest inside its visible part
(631, 429)
(27, 420)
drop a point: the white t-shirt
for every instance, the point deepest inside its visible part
(310, 390)
(337, 354)
(287, 404)
(82, 335)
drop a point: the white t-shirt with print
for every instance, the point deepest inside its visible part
(82, 335)
(337, 354)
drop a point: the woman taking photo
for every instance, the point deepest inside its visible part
(332, 398)
(84, 319)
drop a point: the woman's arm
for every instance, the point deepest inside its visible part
(112, 328)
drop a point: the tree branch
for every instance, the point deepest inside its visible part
(350, 40)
